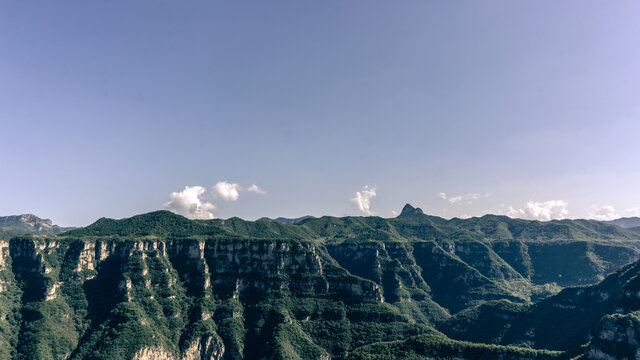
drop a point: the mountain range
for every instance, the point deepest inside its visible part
(160, 286)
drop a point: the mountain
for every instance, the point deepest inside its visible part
(27, 224)
(283, 220)
(160, 286)
(625, 222)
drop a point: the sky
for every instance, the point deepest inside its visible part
(286, 108)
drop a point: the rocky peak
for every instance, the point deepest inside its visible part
(28, 224)
(24, 219)
(410, 210)
(35, 221)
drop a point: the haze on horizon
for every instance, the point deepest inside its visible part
(289, 108)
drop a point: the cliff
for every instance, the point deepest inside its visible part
(185, 299)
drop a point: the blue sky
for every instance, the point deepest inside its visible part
(108, 108)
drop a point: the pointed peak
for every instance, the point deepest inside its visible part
(410, 210)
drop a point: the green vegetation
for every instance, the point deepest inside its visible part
(437, 346)
(158, 224)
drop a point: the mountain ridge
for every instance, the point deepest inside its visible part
(287, 221)
(626, 222)
(14, 225)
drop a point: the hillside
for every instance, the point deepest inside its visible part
(160, 286)
(15, 225)
(430, 346)
(626, 222)
(561, 322)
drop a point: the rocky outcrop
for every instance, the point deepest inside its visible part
(153, 353)
(87, 257)
(4, 253)
(616, 338)
(205, 348)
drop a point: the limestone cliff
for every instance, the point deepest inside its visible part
(182, 298)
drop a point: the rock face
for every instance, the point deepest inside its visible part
(616, 338)
(153, 353)
(4, 253)
(209, 298)
(207, 348)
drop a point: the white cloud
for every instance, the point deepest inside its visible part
(188, 203)
(634, 211)
(608, 212)
(459, 198)
(603, 213)
(363, 199)
(543, 211)
(467, 197)
(256, 189)
(394, 213)
(227, 191)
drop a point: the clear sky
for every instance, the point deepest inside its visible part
(112, 108)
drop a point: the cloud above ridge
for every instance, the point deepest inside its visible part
(542, 211)
(608, 212)
(362, 199)
(189, 203)
(603, 213)
(192, 201)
